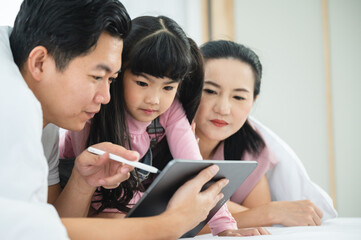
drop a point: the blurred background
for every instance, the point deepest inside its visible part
(310, 95)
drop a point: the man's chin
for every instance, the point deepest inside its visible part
(75, 127)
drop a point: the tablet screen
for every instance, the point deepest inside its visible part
(177, 172)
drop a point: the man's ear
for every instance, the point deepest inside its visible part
(36, 61)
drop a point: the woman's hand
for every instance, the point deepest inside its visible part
(296, 213)
(245, 232)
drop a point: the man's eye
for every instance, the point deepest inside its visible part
(97, 78)
(168, 88)
(209, 91)
(142, 84)
(111, 80)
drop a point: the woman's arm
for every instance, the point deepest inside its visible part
(257, 210)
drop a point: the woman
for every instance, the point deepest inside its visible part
(232, 83)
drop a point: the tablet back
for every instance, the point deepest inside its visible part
(176, 173)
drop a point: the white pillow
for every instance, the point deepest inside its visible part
(289, 180)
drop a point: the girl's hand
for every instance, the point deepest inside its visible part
(245, 232)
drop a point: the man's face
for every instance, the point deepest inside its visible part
(73, 96)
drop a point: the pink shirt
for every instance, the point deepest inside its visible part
(266, 160)
(181, 141)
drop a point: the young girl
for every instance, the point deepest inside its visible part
(232, 83)
(159, 89)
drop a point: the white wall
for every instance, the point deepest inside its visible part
(8, 11)
(187, 13)
(288, 36)
(345, 32)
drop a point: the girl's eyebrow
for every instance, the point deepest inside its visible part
(219, 86)
(151, 80)
(170, 82)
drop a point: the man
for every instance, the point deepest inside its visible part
(65, 55)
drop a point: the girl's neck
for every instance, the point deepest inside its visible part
(207, 147)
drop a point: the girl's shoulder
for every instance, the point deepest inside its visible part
(174, 113)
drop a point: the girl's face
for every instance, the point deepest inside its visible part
(227, 98)
(147, 97)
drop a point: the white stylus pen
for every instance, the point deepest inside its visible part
(114, 157)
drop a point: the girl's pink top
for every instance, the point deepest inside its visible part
(266, 160)
(181, 141)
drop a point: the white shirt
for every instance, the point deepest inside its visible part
(50, 141)
(24, 213)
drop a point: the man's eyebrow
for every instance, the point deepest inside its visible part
(106, 68)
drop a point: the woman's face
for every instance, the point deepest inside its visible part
(227, 98)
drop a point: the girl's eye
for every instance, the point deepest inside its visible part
(209, 91)
(239, 98)
(142, 84)
(168, 88)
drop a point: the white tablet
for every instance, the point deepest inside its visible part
(177, 172)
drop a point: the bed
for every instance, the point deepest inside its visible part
(332, 229)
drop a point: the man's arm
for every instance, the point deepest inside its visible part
(187, 208)
(89, 172)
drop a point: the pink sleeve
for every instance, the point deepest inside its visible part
(181, 140)
(73, 143)
(222, 221)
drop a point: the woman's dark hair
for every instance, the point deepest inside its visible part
(246, 138)
(156, 46)
(67, 29)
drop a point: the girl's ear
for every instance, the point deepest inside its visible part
(36, 61)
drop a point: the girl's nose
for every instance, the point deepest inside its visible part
(152, 99)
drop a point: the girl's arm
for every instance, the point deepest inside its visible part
(181, 139)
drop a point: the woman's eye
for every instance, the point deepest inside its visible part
(168, 88)
(239, 98)
(142, 84)
(209, 91)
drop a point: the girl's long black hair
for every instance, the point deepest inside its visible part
(246, 139)
(156, 46)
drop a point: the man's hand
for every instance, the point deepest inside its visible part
(102, 171)
(193, 206)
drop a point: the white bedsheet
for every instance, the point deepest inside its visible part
(332, 229)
